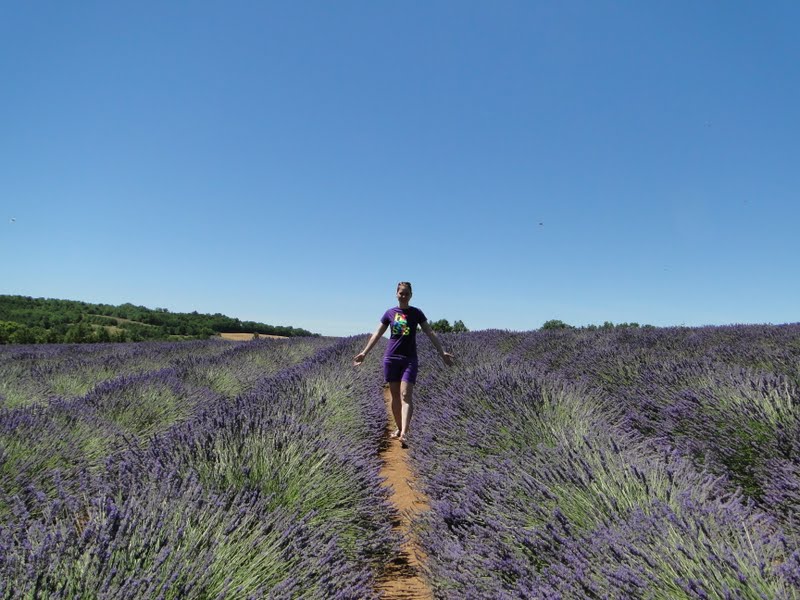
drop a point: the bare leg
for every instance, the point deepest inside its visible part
(394, 388)
(406, 397)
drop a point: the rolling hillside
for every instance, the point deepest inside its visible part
(26, 320)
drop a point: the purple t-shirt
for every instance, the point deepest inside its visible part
(402, 324)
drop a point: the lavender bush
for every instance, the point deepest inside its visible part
(545, 483)
(76, 435)
(271, 493)
(31, 375)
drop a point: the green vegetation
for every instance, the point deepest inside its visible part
(607, 325)
(556, 324)
(26, 320)
(443, 326)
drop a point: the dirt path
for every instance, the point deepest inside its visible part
(402, 580)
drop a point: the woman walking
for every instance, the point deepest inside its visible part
(400, 359)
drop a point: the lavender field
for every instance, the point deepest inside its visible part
(635, 463)
(631, 463)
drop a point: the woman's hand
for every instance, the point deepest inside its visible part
(359, 358)
(448, 359)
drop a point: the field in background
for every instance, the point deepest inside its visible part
(241, 337)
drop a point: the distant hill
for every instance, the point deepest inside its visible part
(26, 320)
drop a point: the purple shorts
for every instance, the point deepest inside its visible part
(400, 369)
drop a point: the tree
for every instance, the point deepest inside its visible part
(7, 330)
(555, 324)
(77, 333)
(48, 320)
(23, 335)
(441, 326)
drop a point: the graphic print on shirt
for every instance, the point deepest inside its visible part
(400, 325)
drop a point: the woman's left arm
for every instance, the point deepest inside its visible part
(446, 356)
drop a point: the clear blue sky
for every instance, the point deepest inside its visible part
(289, 162)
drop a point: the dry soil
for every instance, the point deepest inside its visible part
(403, 579)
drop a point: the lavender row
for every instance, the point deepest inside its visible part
(542, 488)
(272, 494)
(34, 374)
(613, 358)
(31, 375)
(78, 435)
(726, 397)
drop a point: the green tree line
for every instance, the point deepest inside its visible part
(607, 325)
(26, 320)
(443, 326)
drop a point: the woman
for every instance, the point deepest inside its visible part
(400, 359)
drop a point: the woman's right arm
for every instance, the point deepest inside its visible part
(359, 358)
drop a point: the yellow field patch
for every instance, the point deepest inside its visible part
(238, 337)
